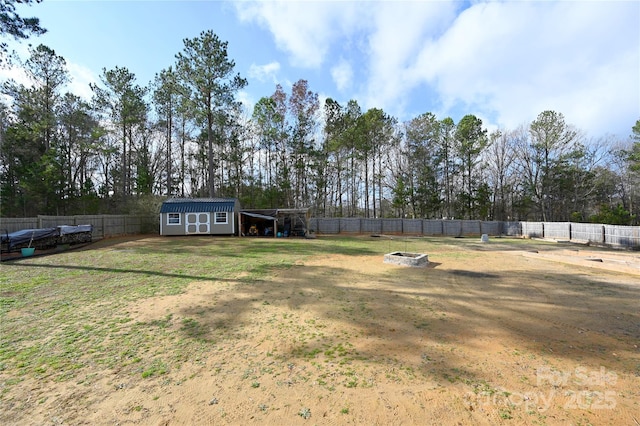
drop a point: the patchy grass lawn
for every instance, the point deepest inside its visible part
(204, 330)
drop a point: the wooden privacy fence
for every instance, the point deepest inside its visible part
(608, 235)
(452, 228)
(103, 225)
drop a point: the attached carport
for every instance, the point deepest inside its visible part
(274, 222)
(257, 224)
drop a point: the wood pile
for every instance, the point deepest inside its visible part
(76, 238)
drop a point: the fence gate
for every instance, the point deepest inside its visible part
(197, 223)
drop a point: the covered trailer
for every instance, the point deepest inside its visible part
(45, 238)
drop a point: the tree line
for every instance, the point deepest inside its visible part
(185, 134)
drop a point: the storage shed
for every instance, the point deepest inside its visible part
(199, 216)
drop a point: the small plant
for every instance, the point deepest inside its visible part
(352, 383)
(162, 323)
(193, 329)
(451, 379)
(305, 413)
(483, 388)
(248, 373)
(345, 410)
(505, 413)
(312, 353)
(255, 384)
(156, 368)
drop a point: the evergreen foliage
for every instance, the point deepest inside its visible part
(185, 134)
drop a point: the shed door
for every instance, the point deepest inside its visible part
(197, 223)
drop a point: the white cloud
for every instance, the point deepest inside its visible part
(304, 29)
(342, 74)
(380, 39)
(264, 73)
(13, 70)
(398, 33)
(247, 101)
(81, 77)
(518, 59)
(503, 61)
(16, 74)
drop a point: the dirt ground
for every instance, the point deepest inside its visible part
(486, 334)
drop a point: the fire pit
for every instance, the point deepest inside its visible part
(416, 260)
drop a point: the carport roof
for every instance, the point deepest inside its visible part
(258, 215)
(198, 205)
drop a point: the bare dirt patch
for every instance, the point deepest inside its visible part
(497, 333)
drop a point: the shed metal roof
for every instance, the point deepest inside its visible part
(197, 205)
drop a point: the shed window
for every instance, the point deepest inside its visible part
(221, 217)
(174, 219)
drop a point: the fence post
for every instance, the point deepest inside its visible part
(604, 235)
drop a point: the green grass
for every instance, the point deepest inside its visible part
(157, 368)
(65, 312)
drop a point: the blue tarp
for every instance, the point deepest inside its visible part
(68, 229)
(26, 235)
(23, 237)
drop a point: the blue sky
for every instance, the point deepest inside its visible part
(503, 61)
